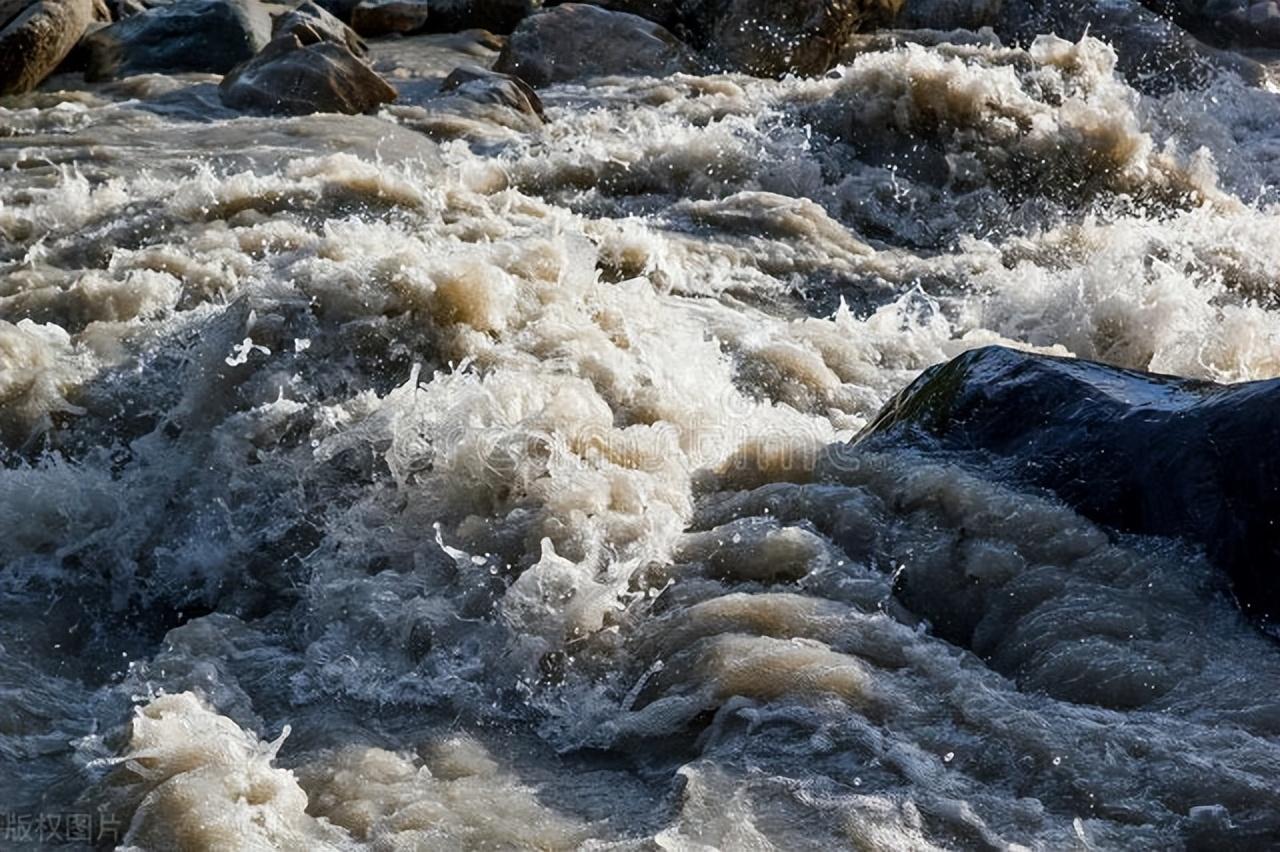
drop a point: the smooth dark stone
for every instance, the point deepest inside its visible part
(1138, 452)
(212, 36)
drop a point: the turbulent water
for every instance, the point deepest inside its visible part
(430, 480)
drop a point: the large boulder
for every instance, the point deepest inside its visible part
(190, 35)
(35, 39)
(301, 72)
(384, 17)
(1138, 452)
(772, 38)
(496, 16)
(576, 42)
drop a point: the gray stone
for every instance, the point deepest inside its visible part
(577, 42)
(36, 39)
(190, 35)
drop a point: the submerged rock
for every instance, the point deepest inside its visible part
(577, 41)
(1138, 452)
(36, 38)
(191, 35)
(301, 73)
(383, 17)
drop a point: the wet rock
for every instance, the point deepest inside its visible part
(665, 12)
(37, 38)
(576, 42)
(326, 25)
(383, 17)
(485, 86)
(211, 36)
(1241, 23)
(300, 73)
(1138, 452)
(775, 37)
(475, 104)
(1155, 55)
(497, 16)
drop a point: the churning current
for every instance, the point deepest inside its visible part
(454, 477)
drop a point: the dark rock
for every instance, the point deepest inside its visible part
(665, 12)
(121, 9)
(340, 9)
(576, 42)
(1226, 23)
(301, 73)
(497, 16)
(1154, 54)
(322, 22)
(212, 36)
(1138, 452)
(775, 37)
(36, 39)
(10, 9)
(485, 86)
(383, 17)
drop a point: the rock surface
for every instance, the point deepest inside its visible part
(300, 73)
(776, 37)
(498, 16)
(37, 38)
(211, 36)
(325, 24)
(1138, 452)
(1155, 54)
(576, 42)
(383, 17)
(487, 86)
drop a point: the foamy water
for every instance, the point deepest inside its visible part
(430, 481)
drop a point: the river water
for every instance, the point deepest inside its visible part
(431, 481)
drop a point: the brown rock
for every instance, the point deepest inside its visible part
(323, 23)
(36, 40)
(301, 73)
